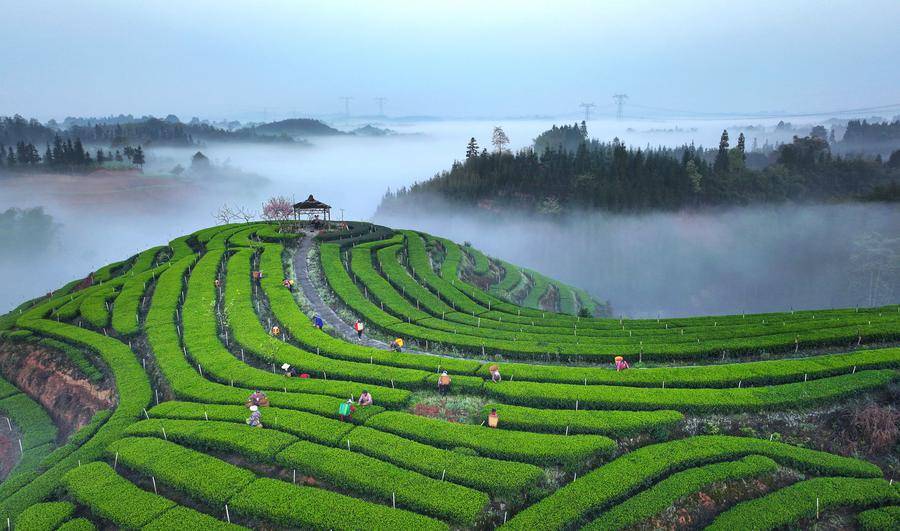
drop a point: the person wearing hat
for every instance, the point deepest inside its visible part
(345, 410)
(275, 330)
(288, 370)
(318, 322)
(443, 383)
(621, 364)
(495, 373)
(493, 418)
(258, 398)
(397, 345)
(365, 399)
(254, 420)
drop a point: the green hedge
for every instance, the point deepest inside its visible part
(128, 302)
(222, 437)
(310, 508)
(112, 497)
(77, 524)
(185, 518)
(882, 519)
(304, 425)
(94, 306)
(494, 476)
(38, 429)
(611, 423)
(795, 502)
(195, 474)
(537, 448)
(792, 395)
(381, 480)
(725, 375)
(338, 467)
(43, 516)
(183, 376)
(665, 493)
(205, 347)
(625, 475)
(132, 387)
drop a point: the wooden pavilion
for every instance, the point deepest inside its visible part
(317, 212)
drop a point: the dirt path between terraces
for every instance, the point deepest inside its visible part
(301, 267)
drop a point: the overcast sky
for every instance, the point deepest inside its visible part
(481, 58)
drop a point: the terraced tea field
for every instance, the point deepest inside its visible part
(712, 426)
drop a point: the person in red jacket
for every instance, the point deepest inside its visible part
(359, 327)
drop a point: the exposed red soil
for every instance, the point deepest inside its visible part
(47, 377)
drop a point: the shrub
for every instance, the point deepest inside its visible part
(596, 490)
(801, 500)
(535, 448)
(112, 497)
(481, 473)
(665, 493)
(42, 516)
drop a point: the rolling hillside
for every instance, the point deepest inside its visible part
(731, 421)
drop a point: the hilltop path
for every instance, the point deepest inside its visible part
(301, 267)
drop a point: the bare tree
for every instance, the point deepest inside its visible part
(246, 215)
(499, 139)
(225, 214)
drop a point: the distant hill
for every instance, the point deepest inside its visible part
(371, 130)
(293, 127)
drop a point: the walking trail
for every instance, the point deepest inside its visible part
(301, 267)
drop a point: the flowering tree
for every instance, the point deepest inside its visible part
(278, 208)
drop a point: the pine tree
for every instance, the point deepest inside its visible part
(721, 164)
(472, 148)
(138, 157)
(48, 156)
(741, 147)
(10, 157)
(78, 152)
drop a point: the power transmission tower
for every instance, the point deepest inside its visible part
(620, 104)
(380, 105)
(346, 100)
(587, 110)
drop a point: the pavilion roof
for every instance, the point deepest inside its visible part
(311, 203)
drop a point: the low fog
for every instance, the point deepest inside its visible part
(675, 264)
(679, 264)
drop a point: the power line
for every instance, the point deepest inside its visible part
(895, 106)
(346, 100)
(380, 101)
(587, 110)
(620, 104)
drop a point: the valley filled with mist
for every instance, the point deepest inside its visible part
(690, 262)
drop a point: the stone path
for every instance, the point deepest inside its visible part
(312, 295)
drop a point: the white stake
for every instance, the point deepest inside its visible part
(227, 515)
(116, 461)
(444, 473)
(153, 479)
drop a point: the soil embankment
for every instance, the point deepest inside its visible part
(49, 378)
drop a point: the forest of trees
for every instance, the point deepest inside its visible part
(611, 176)
(66, 155)
(149, 131)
